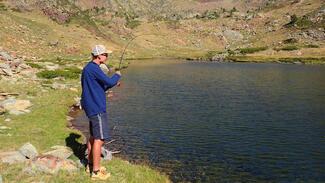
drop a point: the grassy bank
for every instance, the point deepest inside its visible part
(262, 59)
(46, 126)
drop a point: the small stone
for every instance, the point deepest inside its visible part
(58, 86)
(54, 43)
(4, 128)
(7, 120)
(52, 67)
(12, 157)
(107, 155)
(28, 150)
(74, 89)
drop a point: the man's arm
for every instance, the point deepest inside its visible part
(107, 81)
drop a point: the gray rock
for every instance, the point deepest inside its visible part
(46, 164)
(12, 157)
(24, 66)
(16, 112)
(4, 66)
(28, 150)
(7, 72)
(60, 152)
(13, 104)
(51, 165)
(5, 56)
(107, 155)
(52, 67)
(54, 43)
(232, 35)
(220, 57)
(58, 86)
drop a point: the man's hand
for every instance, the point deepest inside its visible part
(118, 72)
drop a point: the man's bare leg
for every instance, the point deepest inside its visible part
(90, 143)
(96, 151)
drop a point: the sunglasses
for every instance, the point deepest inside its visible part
(105, 54)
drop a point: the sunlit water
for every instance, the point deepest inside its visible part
(221, 122)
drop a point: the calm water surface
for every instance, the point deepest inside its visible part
(222, 122)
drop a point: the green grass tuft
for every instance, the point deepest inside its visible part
(288, 48)
(68, 73)
(33, 65)
(252, 50)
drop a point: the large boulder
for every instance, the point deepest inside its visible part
(28, 150)
(62, 152)
(12, 157)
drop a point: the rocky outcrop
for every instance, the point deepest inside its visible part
(14, 66)
(233, 36)
(49, 162)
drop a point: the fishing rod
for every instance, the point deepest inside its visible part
(127, 45)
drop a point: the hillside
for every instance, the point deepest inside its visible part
(182, 28)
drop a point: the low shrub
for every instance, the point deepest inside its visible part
(33, 65)
(311, 46)
(290, 41)
(252, 50)
(289, 48)
(68, 73)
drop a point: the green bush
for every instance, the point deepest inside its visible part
(3, 7)
(133, 23)
(33, 65)
(304, 22)
(311, 46)
(68, 73)
(209, 15)
(210, 54)
(290, 41)
(252, 50)
(289, 48)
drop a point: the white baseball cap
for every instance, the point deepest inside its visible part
(100, 49)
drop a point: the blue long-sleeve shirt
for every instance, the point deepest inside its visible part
(94, 83)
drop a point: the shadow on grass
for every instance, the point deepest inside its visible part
(77, 148)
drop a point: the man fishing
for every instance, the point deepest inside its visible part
(93, 100)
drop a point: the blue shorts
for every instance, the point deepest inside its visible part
(98, 126)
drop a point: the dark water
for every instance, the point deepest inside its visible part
(212, 122)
